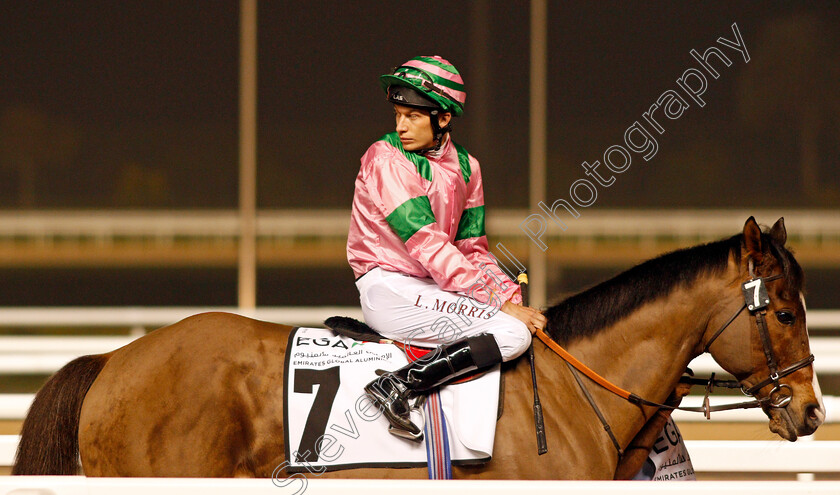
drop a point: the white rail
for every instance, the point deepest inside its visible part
(14, 406)
(826, 352)
(46, 354)
(706, 455)
(693, 224)
(78, 485)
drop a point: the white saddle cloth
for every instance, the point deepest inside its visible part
(328, 414)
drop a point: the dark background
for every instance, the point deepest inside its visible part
(133, 104)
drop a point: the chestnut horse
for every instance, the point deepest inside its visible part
(203, 397)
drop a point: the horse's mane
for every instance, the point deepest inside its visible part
(586, 313)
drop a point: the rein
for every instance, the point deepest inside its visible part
(630, 396)
(756, 299)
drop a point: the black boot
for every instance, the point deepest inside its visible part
(392, 391)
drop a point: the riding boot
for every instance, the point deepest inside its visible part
(392, 391)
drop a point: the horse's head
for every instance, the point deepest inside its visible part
(766, 346)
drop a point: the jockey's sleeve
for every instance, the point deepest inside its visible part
(399, 193)
(471, 238)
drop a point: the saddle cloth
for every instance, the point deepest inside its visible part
(330, 423)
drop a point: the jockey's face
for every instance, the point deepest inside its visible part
(414, 127)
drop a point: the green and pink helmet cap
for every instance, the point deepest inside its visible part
(434, 77)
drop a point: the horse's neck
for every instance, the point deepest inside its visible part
(647, 351)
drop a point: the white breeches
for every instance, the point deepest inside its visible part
(417, 311)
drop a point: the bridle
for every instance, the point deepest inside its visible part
(756, 300)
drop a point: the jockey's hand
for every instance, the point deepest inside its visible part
(526, 314)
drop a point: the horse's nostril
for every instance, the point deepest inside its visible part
(813, 413)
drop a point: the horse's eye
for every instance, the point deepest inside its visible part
(785, 317)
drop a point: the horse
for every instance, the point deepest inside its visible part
(202, 397)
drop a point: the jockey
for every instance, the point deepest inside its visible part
(418, 249)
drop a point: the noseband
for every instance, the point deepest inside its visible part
(756, 300)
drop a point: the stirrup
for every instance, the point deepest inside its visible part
(399, 432)
(407, 434)
(400, 423)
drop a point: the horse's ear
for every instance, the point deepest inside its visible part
(752, 239)
(778, 232)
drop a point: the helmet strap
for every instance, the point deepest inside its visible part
(437, 131)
